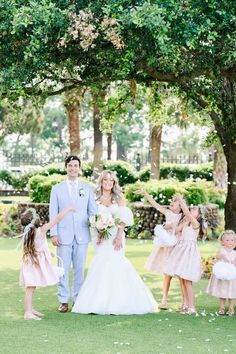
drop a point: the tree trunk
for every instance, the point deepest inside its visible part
(109, 145)
(120, 151)
(72, 104)
(220, 167)
(230, 205)
(155, 151)
(74, 128)
(59, 130)
(98, 147)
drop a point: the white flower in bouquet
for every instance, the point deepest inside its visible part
(92, 220)
(103, 222)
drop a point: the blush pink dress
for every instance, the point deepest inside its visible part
(159, 255)
(224, 289)
(44, 273)
(185, 259)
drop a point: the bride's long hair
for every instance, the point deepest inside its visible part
(116, 192)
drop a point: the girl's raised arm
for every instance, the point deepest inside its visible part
(152, 201)
(187, 213)
(58, 218)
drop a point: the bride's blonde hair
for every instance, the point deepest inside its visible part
(116, 192)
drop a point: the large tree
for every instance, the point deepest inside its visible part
(189, 44)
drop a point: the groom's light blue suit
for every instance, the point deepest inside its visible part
(73, 232)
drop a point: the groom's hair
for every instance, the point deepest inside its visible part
(71, 158)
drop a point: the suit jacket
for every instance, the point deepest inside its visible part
(73, 224)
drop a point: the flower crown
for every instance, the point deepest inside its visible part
(31, 224)
(34, 215)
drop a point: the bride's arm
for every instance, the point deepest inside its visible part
(117, 242)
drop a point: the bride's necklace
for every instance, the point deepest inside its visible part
(106, 200)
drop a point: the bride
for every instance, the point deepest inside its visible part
(112, 285)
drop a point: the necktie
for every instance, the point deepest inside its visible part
(73, 192)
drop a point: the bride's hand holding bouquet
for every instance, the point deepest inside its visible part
(102, 223)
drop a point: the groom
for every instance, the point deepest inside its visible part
(71, 235)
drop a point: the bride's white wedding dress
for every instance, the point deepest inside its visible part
(112, 285)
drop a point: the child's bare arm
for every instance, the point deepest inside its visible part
(221, 257)
(58, 218)
(152, 201)
(187, 213)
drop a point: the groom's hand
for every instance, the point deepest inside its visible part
(55, 241)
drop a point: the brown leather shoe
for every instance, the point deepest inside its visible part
(63, 308)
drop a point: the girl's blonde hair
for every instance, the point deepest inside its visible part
(116, 192)
(31, 221)
(227, 232)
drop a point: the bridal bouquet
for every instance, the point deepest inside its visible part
(103, 222)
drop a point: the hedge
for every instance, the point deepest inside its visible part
(180, 172)
(40, 187)
(200, 192)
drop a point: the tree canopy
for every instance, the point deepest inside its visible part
(49, 46)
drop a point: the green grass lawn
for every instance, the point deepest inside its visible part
(163, 332)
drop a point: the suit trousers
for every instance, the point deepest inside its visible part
(74, 253)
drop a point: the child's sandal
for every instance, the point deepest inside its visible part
(182, 309)
(221, 311)
(37, 313)
(163, 306)
(31, 317)
(230, 313)
(191, 311)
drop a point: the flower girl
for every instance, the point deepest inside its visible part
(161, 251)
(185, 259)
(223, 280)
(37, 268)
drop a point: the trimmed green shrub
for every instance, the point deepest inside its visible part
(17, 182)
(162, 191)
(6, 176)
(124, 171)
(40, 187)
(195, 194)
(145, 174)
(51, 170)
(200, 192)
(180, 172)
(87, 169)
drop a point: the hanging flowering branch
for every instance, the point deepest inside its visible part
(85, 28)
(109, 26)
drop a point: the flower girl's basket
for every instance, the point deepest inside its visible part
(224, 271)
(163, 238)
(60, 268)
